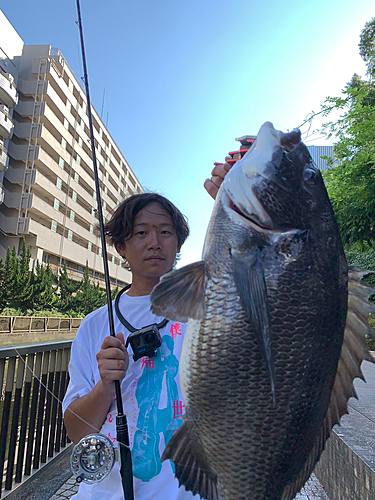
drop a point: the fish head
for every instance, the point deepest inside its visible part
(276, 187)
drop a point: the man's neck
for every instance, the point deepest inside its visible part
(141, 288)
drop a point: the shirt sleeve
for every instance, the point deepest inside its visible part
(82, 366)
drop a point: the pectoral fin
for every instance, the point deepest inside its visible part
(180, 294)
(251, 286)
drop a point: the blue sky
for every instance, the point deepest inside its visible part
(183, 79)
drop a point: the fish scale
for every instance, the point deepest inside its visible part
(261, 371)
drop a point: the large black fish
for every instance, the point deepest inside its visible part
(271, 347)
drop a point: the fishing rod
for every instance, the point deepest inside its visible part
(94, 448)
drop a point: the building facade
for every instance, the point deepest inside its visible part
(317, 152)
(49, 196)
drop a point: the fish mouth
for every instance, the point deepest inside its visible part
(255, 223)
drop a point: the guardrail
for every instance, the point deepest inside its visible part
(33, 381)
(29, 324)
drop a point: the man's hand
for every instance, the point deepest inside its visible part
(113, 360)
(217, 176)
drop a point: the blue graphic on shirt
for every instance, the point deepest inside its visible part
(152, 420)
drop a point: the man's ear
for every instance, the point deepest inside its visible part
(120, 249)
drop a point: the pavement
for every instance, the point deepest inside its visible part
(311, 491)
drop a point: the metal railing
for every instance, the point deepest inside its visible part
(33, 381)
(29, 324)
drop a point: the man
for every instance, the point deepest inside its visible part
(148, 231)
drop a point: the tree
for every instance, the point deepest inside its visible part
(350, 181)
(44, 296)
(89, 296)
(367, 46)
(66, 290)
(22, 291)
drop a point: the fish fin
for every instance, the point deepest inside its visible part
(354, 350)
(252, 289)
(192, 468)
(180, 294)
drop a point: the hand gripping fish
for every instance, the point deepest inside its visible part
(276, 329)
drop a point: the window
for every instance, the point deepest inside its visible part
(78, 160)
(71, 86)
(105, 189)
(110, 147)
(76, 177)
(58, 183)
(104, 205)
(74, 196)
(72, 215)
(54, 226)
(70, 235)
(113, 259)
(80, 141)
(61, 163)
(68, 106)
(101, 133)
(118, 202)
(56, 204)
(120, 177)
(63, 142)
(66, 123)
(119, 190)
(89, 246)
(93, 211)
(99, 148)
(100, 252)
(46, 257)
(91, 229)
(94, 195)
(107, 176)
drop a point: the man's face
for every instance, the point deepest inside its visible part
(151, 251)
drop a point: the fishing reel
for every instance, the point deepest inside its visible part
(93, 458)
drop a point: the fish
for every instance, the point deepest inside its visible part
(276, 329)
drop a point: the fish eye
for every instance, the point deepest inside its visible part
(309, 176)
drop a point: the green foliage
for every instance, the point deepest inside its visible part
(66, 290)
(351, 183)
(89, 296)
(44, 296)
(39, 292)
(364, 261)
(367, 46)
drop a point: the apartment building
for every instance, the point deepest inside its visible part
(48, 184)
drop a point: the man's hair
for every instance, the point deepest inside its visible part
(121, 225)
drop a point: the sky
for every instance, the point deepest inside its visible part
(182, 80)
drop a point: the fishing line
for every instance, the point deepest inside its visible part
(35, 376)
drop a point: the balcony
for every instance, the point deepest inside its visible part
(8, 92)
(6, 123)
(4, 158)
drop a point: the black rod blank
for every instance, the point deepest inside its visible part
(121, 423)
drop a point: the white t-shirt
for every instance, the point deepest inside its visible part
(152, 401)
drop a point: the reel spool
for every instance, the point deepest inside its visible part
(93, 458)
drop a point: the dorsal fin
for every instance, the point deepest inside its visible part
(354, 350)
